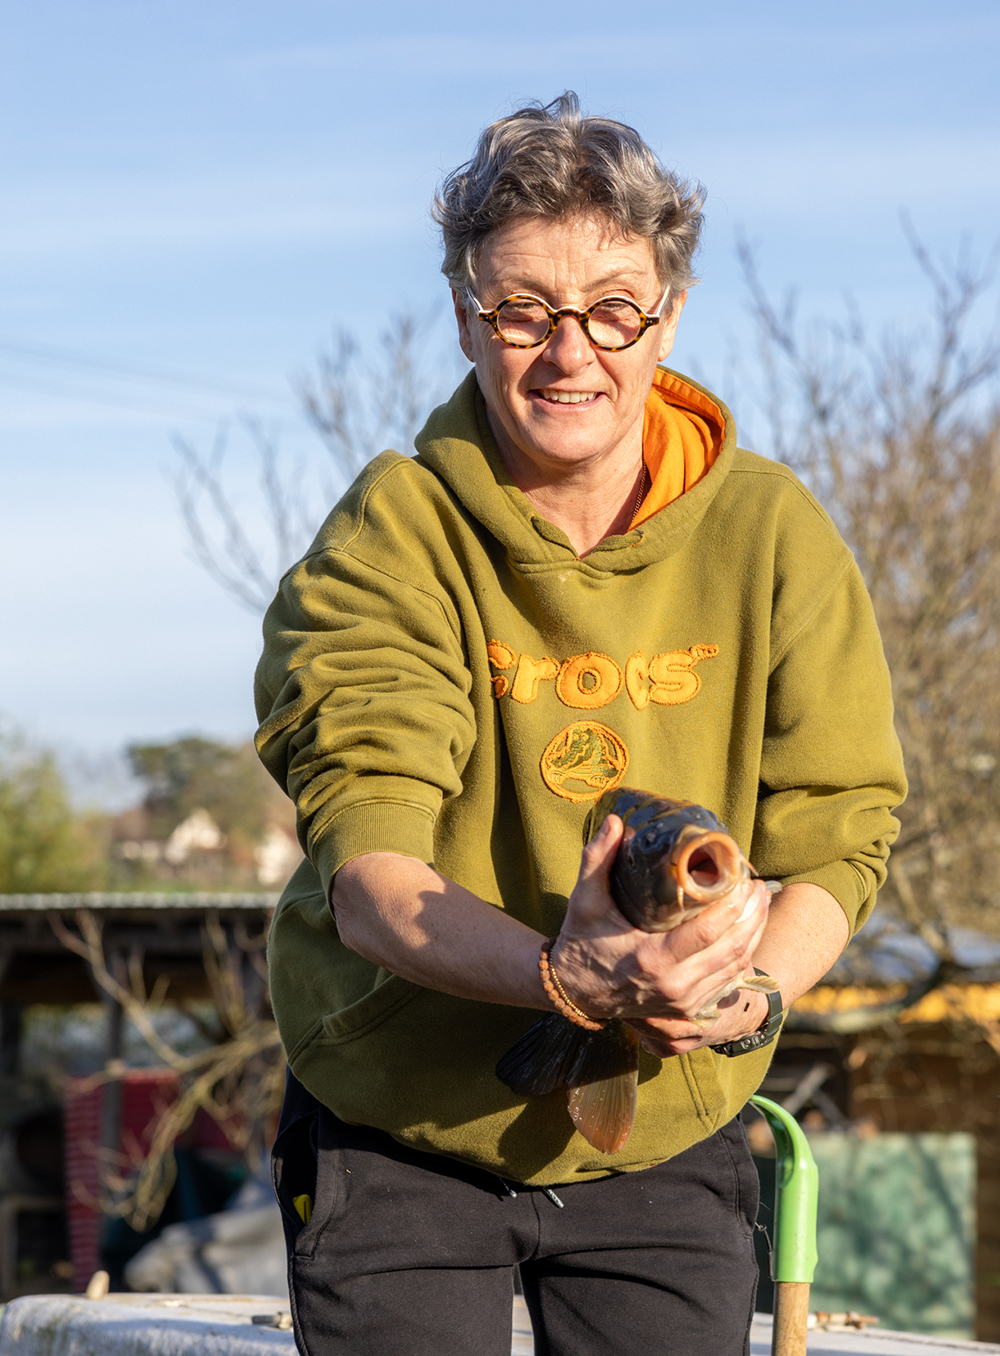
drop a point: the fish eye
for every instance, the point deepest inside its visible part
(649, 837)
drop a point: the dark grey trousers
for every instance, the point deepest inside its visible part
(412, 1254)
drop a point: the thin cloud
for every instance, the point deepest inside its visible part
(72, 218)
(791, 39)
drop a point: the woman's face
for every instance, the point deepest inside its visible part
(565, 403)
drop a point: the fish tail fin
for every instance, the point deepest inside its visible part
(603, 1088)
(541, 1060)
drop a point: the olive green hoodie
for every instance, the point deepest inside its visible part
(443, 677)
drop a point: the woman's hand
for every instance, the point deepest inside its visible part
(659, 981)
(740, 1013)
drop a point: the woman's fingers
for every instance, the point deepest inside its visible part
(590, 903)
(745, 1011)
(739, 910)
(710, 947)
(612, 969)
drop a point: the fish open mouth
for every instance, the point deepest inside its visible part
(703, 869)
(708, 865)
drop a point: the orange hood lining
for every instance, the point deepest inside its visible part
(682, 435)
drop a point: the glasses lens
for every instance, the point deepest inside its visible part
(615, 323)
(522, 320)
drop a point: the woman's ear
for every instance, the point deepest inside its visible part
(464, 332)
(668, 325)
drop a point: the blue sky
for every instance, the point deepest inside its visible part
(193, 196)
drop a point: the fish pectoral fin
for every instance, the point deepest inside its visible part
(760, 983)
(541, 1060)
(603, 1086)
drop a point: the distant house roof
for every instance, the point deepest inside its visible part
(164, 928)
(139, 899)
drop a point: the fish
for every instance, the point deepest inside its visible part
(674, 860)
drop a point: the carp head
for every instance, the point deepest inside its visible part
(675, 858)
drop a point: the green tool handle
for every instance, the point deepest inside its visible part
(796, 1187)
(793, 1252)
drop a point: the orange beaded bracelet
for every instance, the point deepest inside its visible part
(557, 994)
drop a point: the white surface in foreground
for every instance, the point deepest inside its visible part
(871, 1342)
(181, 1325)
(141, 1325)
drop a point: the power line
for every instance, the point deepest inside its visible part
(152, 405)
(44, 354)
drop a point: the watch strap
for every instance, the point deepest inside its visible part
(764, 1034)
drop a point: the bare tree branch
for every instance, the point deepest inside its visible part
(234, 562)
(358, 406)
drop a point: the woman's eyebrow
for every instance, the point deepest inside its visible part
(627, 278)
(619, 280)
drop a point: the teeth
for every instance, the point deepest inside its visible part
(569, 397)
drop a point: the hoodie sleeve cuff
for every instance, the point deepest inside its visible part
(374, 826)
(846, 883)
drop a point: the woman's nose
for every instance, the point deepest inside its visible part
(568, 347)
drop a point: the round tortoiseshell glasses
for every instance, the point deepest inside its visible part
(613, 323)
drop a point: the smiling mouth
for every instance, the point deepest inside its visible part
(568, 397)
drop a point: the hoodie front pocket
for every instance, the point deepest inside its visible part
(368, 1013)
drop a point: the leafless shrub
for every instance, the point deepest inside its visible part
(238, 1080)
(900, 438)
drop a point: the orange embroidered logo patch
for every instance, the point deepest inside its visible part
(584, 760)
(668, 679)
(592, 680)
(501, 656)
(589, 681)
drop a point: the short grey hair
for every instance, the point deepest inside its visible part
(547, 160)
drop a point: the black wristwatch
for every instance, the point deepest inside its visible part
(764, 1034)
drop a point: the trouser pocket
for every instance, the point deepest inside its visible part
(306, 1167)
(747, 1183)
(293, 1171)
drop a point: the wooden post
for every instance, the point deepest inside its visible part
(112, 1100)
(111, 1104)
(791, 1317)
(11, 1012)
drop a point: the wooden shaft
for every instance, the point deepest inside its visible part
(791, 1318)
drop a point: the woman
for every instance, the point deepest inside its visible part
(579, 582)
